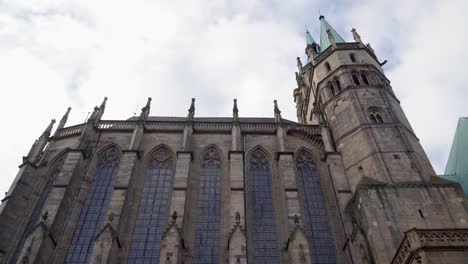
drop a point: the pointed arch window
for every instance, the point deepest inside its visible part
(356, 79)
(352, 57)
(327, 66)
(338, 84)
(54, 171)
(314, 213)
(209, 209)
(94, 208)
(152, 210)
(264, 237)
(364, 78)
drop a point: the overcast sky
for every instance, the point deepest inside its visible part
(55, 54)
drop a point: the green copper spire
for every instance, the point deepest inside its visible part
(324, 41)
(309, 38)
(457, 165)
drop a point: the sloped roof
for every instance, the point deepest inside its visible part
(457, 164)
(324, 41)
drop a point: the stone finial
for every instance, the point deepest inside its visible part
(48, 130)
(356, 36)
(174, 217)
(103, 104)
(237, 218)
(296, 219)
(235, 112)
(94, 114)
(277, 112)
(44, 216)
(63, 121)
(191, 111)
(145, 111)
(331, 38)
(299, 64)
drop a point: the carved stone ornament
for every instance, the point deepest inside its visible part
(109, 159)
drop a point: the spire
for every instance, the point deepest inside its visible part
(277, 112)
(145, 111)
(191, 111)
(235, 112)
(48, 130)
(63, 121)
(39, 144)
(101, 109)
(356, 36)
(309, 39)
(324, 39)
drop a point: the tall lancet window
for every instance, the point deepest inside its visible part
(264, 237)
(94, 208)
(313, 208)
(152, 212)
(209, 212)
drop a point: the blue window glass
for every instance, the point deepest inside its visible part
(264, 237)
(35, 216)
(208, 213)
(94, 209)
(151, 216)
(315, 215)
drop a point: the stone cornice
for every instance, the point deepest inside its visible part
(417, 240)
(363, 186)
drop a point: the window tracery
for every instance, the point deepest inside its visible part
(314, 213)
(94, 208)
(152, 210)
(264, 237)
(209, 209)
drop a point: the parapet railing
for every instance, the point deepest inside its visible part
(116, 125)
(70, 131)
(198, 126)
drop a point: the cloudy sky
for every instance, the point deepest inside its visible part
(55, 54)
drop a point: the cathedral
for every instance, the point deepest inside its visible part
(348, 183)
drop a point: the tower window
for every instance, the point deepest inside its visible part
(332, 88)
(379, 119)
(375, 115)
(356, 80)
(364, 79)
(373, 119)
(352, 57)
(327, 66)
(338, 84)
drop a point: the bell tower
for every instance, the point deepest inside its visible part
(343, 88)
(386, 188)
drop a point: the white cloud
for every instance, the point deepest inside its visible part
(56, 54)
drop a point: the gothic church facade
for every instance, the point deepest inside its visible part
(348, 183)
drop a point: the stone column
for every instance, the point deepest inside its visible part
(107, 240)
(237, 240)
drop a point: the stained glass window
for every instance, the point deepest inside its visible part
(35, 216)
(151, 216)
(264, 237)
(315, 215)
(208, 213)
(94, 209)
